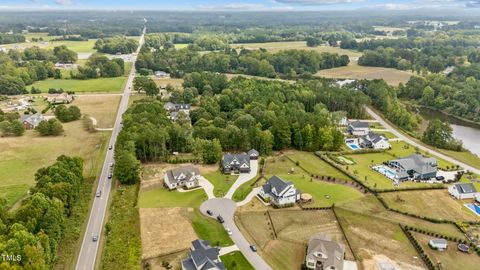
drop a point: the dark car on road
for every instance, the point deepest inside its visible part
(220, 219)
(209, 212)
(110, 176)
(110, 147)
(253, 248)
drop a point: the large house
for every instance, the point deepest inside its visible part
(184, 176)
(278, 192)
(236, 163)
(324, 254)
(31, 121)
(463, 191)
(374, 140)
(62, 98)
(415, 166)
(175, 110)
(202, 256)
(358, 128)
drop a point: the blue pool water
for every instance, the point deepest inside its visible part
(353, 146)
(475, 208)
(387, 172)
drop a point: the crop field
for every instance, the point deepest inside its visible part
(83, 86)
(158, 237)
(357, 72)
(430, 203)
(102, 107)
(22, 156)
(451, 258)
(293, 227)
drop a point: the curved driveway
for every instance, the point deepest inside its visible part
(420, 146)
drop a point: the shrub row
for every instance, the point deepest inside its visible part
(434, 234)
(421, 252)
(182, 160)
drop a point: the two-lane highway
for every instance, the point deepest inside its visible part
(89, 248)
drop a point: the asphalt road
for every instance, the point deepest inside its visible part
(226, 208)
(420, 146)
(89, 248)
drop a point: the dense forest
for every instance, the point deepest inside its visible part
(116, 45)
(98, 66)
(32, 231)
(287, 63)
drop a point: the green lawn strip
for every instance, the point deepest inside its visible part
(324, 194)
(242, 191)
(161, 197)
(222, 182)
(236, 260)
(315, 165)
(466, 157)
(209, 229)
(123, 246)
(78, 86)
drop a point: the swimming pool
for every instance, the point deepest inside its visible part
(475, 208)
(353, 146)
(386, 171)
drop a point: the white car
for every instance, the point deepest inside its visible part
(229, 231)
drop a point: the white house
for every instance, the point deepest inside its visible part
(358, 128)
(463, 191)
(278, 192)
(374, 140)
(161, 74)
(438, 244)
(185, 176)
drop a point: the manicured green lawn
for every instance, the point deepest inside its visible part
(222, 182)
(242, 192)
(78, 86)
(161, 197)
(236, 260)
(337, 194)
(209, 229)
(315, 165)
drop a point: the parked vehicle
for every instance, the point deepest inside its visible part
(253, 248)
(220, 219)
(210, 213)
(229, 231)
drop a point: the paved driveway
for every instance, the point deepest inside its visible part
(226, 208)
(243, 178)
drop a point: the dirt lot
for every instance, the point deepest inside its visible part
(174, 259)
(293, 228)
(158, 235)
(431, 203)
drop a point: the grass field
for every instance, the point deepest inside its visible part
(372, 237)
(236, 261)
(463, 156)
(81, 86)
(242, 191)
(209, 229)
(357, 72)
(123, 243)
(161, 197)
(22, 156)
(221, 182)
(103, 108)
(177, 83)
(76, 46)
(158, 237)
(296, 45)
(431, 203)
(293, 227)
(451, 258)
(315, 165)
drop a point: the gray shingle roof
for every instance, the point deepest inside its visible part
(465, 188)
(188, 171)
(418, 163)
(236, 160)
(203, 256)
(322, 249)
(359, 124)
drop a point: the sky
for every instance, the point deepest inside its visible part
(238, 5)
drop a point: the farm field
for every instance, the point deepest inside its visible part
(294, 228)
(430, 203)
(22, 156)
(357, 72)
(100, 107)
(76, 46)
(222, 182)
(296, 45)
(84, 86)
(372, 239)
(451, 258)
(162, 197)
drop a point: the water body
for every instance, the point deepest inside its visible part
(467, 132)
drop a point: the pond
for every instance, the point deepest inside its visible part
(467, 132)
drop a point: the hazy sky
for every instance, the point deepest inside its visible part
(236, 5)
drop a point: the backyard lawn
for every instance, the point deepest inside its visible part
(162, 197)
(245, 189)
(236, 260)
(79, 86)
(315, 165)
(430, 203)
(22, 156)
(209, 229)
(222, 182)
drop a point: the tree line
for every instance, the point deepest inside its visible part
(34, 230)
(99, 66)
(11, 38)
(116, 45)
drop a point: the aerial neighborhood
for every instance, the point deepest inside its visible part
(240, 135)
